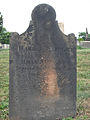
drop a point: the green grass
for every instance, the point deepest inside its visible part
(4, 83)
(83, 84)
(83, 73)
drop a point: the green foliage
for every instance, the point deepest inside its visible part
(4, 36)
(69, 118)
(89, 35)
(80, 39)
(79, 47)
(82, 36)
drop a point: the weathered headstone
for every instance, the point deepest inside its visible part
(42, 70)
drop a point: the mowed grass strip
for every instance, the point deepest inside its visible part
(4, 83)
(83, 84)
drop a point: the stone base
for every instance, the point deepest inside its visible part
(85, 44)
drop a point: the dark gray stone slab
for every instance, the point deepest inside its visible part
(42, 70)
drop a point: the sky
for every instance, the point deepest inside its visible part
(75, 14)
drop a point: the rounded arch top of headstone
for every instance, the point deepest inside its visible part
(43, 12)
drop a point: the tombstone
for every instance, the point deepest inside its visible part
(87, 38)
(42, 70)
(84, 44)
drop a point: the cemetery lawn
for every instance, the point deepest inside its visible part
(83, 84)
(4, 83)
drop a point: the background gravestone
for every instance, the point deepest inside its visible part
(42, 70)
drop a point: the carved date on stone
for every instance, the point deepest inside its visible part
(42, 70)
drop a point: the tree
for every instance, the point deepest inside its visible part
(82, 36)
(4, 34)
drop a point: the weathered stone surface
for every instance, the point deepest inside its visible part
(85, 44)
(42, 70)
